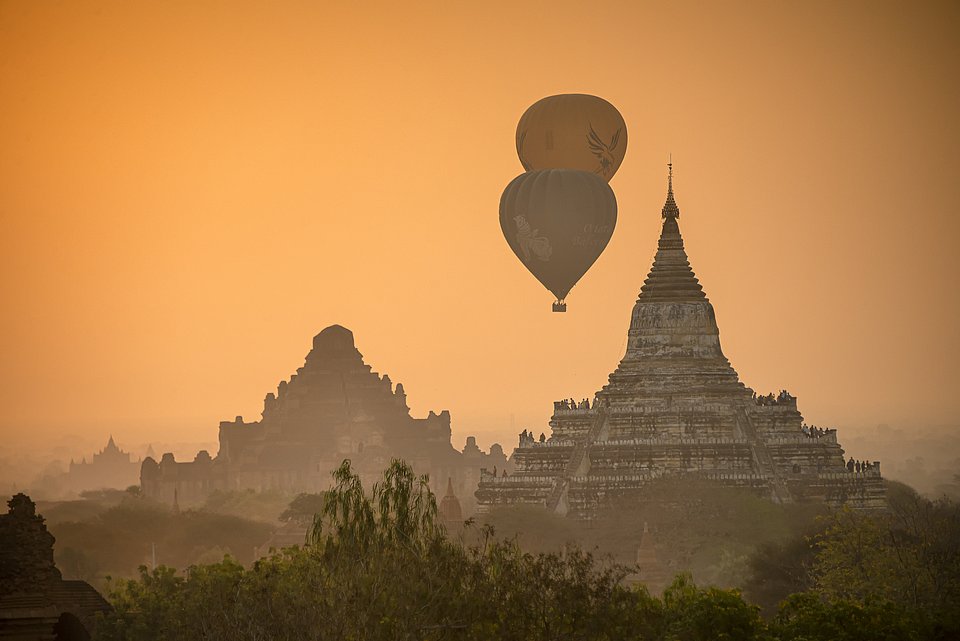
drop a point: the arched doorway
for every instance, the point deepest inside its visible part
(69, 628)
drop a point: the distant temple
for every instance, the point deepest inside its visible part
(335, 407)
(35, 601)
(675, 408)
(649, 570)
(449, 510)
(111, 467)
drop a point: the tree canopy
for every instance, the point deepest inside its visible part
(380, 565)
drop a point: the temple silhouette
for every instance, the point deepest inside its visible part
(35, 601)
(334, 408)
(111, 467)
(675, 408)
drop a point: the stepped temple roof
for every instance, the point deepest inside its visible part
(334, 407)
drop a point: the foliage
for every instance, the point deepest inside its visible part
(77, 510)
(109, 496)
(909, 556)
(710, 531)
(780, 568)
(303, 508)
(265, 506)
(695, 614)
(116, 540)
(538, 530)
(700, 527)
(855, 567)
(380, 566)
(806, 616)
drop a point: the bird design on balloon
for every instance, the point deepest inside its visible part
(559, 216)
(603, 151)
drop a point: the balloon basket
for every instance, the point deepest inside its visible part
(559, 307)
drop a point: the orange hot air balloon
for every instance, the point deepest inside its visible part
(572, 131)
(558, 222)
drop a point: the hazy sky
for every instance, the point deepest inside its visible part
(189, 191)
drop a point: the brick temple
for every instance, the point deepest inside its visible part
(35, 601)
(335, 407)
(675, 408)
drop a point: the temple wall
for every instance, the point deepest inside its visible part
(587, 495)
(542, 458)
(512, 490)
(682, 417)
(675, 329)
(775, 420)
(625, 457)
(859, 490)
(192, 482)
(188, 492)
(805, 455)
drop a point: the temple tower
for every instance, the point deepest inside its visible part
(334, 407)
(675, 407)
(673, 344)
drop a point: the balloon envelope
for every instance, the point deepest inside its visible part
(558, 222)
(572, 131)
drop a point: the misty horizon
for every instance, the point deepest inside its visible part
(169, 262)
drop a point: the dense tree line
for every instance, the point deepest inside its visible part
(114, 535)
(708, 530)
(903, 563)
(380, 566)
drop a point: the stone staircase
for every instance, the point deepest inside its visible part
(762, 460)
(561, 483)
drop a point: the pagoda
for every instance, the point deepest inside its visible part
(675, 408)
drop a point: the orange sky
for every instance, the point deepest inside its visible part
(189, 191)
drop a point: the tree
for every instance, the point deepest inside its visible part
(908, 557)
(380, 566)
(691, 613)
(911, 554)
(779, 569)
(807, 616)
(303, 508)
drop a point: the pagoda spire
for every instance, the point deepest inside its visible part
(449, 508)
(670, 209)
(671, 278)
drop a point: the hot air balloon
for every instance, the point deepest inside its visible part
(558, 222)
(572, 131)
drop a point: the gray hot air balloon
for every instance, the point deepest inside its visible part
(558, 222)
(572, 131)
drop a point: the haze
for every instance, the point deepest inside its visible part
(189, 192)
